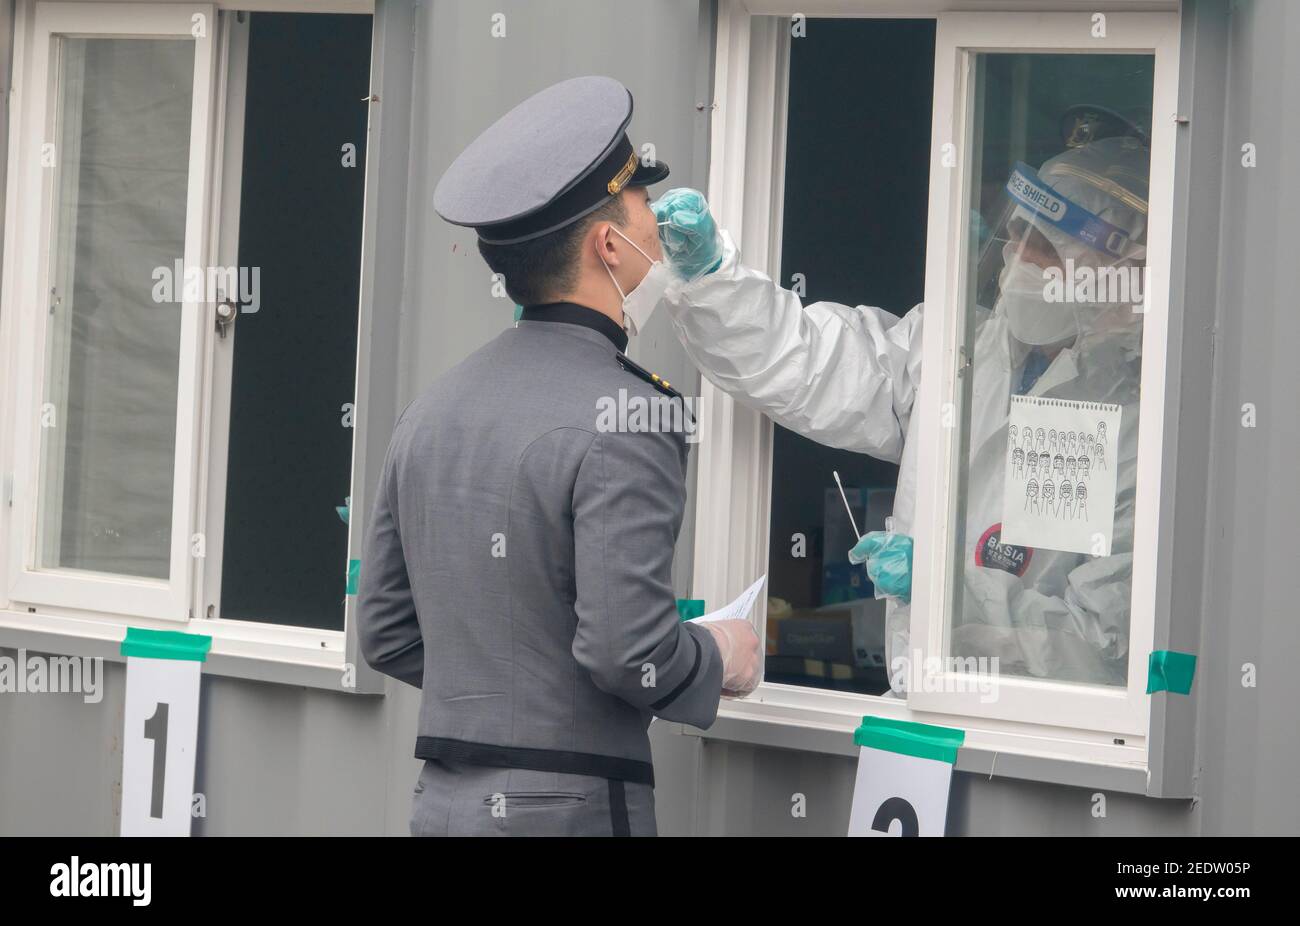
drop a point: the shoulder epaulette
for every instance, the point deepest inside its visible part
(652, 378)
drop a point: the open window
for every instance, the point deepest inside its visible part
(284, 361)
(104, 467)
(938, 164)
(181, 305)
(853, 229)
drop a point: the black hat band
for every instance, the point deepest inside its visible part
(608, 178)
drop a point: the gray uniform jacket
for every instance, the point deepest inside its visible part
(516, 564)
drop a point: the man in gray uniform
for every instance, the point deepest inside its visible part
(518, 554)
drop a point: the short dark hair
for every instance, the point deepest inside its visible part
(545, 268)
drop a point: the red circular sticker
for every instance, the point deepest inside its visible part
(994, 554)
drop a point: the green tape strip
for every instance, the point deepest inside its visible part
(1170, 671)
(688, 608)
(354, 575)
(166, 644)
(922, 740)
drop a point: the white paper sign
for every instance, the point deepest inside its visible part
(1059, 488)
(899, 795)
(160, 731)
(737, 610)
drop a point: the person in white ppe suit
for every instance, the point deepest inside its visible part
(848, 376)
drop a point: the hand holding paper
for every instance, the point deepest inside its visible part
(742, 663)
(741, 667)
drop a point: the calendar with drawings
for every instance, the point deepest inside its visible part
(1059, 489)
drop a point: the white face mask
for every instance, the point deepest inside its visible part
(639, 304)
(1032, 318)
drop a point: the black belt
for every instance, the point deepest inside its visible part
(538, 760)
(617, 771)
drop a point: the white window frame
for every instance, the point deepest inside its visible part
(960, 36)
(27, 280)
(93, 621)
(745, 189)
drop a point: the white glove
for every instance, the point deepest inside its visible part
(742, 664)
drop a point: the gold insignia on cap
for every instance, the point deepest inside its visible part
(623, 176)
(1084, 129)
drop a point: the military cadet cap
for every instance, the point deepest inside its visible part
(1085, 123)
(558, 156)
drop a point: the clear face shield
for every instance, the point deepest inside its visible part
(1063, 256)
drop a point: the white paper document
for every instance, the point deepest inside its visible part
(739, 609)
(1059, 488)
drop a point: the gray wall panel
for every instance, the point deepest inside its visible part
(1249, 744)
(276, 759)
(61, 761)
(467, 79)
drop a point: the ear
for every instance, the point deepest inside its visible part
(602, 244)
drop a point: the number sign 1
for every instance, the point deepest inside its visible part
(160, 730)
(904, 772)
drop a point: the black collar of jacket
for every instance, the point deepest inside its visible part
(570, 313)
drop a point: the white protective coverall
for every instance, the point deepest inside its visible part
(848, 376)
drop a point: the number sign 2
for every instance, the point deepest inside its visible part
(904, 773)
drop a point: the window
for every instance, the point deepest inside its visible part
(1008, 91)
(1082, 621)
(1021, 110)
(853, 230)
(285, 371)
(104, 468)
(181, 288)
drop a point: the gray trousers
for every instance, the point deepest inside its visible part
(459, 799)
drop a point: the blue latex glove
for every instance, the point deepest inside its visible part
(690, 239)
(889, 562)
